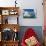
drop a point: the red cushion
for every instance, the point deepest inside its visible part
(29, 33)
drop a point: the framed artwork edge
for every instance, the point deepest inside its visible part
(29, 13)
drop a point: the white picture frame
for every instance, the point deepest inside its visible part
(5, 12)
(29, 13)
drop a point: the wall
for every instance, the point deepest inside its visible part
(37, 6)
(7, 3)
(27, 4)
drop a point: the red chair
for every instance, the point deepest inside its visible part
(29, 33)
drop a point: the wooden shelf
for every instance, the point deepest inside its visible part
(4, 24)
(3, 8)
(11, 26)
(9, 43)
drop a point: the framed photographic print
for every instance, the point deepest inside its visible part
(29, 13)
(5, 12)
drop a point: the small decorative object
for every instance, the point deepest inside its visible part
(7, 34)
(13, 12)
(5, 12)
(6, 21)
(32, 41)
(29, 13)
(15, 36)
(15, 30)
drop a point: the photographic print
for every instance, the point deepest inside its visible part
(29, 13)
